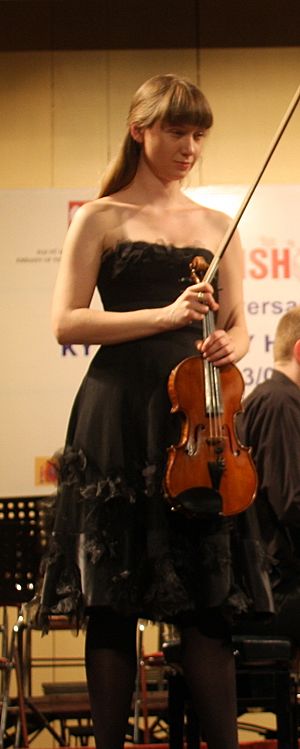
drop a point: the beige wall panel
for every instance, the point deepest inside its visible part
(25, 99)
(63, 114)
(80, 118)
(55, 646)
(250, 90)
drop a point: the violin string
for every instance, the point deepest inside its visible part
(214, 384)
(213, 398)
(209, 383)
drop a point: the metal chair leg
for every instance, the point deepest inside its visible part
(7, 664)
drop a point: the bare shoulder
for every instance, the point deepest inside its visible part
(213, 217)
(94, 210)
(217, 219)
(97, 220)
(209, 224)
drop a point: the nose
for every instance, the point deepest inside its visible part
(188, 145)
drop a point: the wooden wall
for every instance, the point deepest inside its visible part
(63, 112)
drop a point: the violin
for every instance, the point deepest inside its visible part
(209, 470)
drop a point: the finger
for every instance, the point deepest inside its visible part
(207, 300)
(215, 352)
(217, 340)
(206, 287)
(229, 359)
(201, 297)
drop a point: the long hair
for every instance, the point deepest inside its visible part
(173, 101)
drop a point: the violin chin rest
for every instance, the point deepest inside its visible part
(198, 502)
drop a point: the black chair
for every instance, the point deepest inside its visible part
(264, 681)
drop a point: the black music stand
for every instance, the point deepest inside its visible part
(22, 543)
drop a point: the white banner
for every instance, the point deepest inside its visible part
(270, 235)
(40, 378)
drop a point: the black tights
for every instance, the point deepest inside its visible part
(209, 671)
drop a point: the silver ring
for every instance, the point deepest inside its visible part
(201, 297)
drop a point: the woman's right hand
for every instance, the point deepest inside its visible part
(192, 305)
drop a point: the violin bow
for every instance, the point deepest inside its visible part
(209, 275)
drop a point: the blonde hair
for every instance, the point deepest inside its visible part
(287, 333)
(167, 98)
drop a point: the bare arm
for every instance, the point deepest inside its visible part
(75, 322)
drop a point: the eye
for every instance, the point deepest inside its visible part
(199, 134)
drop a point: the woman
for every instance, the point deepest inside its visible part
(118, 551)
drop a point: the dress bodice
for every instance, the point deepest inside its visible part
(137, 275)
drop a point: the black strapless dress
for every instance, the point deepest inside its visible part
(115, 540)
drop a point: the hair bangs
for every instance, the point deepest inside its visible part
(185, 104)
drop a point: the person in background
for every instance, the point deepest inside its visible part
(118, 552)
(270, 424)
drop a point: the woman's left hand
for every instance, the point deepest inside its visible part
(218, 348)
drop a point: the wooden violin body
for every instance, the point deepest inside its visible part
(208, 470)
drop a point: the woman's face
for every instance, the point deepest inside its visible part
(171, 151)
